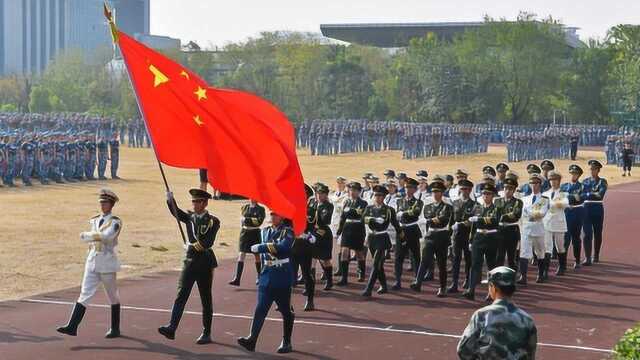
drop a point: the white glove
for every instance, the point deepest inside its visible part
(311, 239)
(399, 215)
(169, 195)
(255, 248)
(474, 219)
(379, 220)
(242, 220)
(470, 246)
(84, 236)
(455, 227)
(346, 209)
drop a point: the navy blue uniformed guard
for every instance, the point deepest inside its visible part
(525, 189)
(593, 190)
(276, 281)
(574, 213)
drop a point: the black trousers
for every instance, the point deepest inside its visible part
(304, 261)
(411, 244)
(508, 239)
(484, 248)
(194, 272)
(460, 251)
(436, 244)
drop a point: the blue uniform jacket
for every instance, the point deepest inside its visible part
(594, 190)
(574, 192)
(276, 245)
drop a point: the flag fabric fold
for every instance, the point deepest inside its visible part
(246, 143)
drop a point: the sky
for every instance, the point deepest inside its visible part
(215, 23)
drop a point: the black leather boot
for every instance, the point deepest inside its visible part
(562, 264)
(114, 332)
(344, 273)
(362, 269)
(76, 318)
(547, 263)
(205, 337)
(523, 266)
(249, 343)
(287, 327)
(238, 275)
(541, 266)
(328, 274)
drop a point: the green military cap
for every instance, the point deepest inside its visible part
(512, 174)
(502, 276)
(410, 182)
(322, 189)
(535, 178)
(355, 186)
(464, 183)
(533, 168)
(437, 186)
(308, 190)
(198, 194)
(380, 190)
(510, 181)
(489, 188)
(438, 178)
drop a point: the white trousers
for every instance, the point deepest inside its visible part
(90, 283)
(554, 237)
(531, 244)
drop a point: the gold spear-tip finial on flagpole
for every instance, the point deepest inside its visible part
(112, 25)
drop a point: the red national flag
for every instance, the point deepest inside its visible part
(246, 143)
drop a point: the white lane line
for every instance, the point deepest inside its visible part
(625, 191)
(315, 323)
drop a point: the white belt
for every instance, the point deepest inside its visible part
(380, 232)
(353, 220)
(593, 201)
(278, 262)
(410, 224)
(251, 227)
(509, 224)
(438, 230)
(485, 231)
(576, 206)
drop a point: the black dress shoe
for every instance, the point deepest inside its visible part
(366, 293)
(415, 287)
(234, 282)
(167, 332)
(285, 348)
(112, 334)
(248, 343)
(382, 290)
(204, 339)
(396, 286)
(587, 262)
(469, 295)
(441, 293)
(577, 265)
(309, 306)
(452, 290)
(596, 259)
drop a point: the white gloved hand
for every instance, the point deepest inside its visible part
(470, 246)
(399, 215)
(379, 220)
(255, 248)
(169, 195)
(455, 227)
(346, 209)
(84, 236)
(474, 219)
(311, 239)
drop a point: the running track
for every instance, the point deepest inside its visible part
(579, 316)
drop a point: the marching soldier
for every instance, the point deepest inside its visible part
(593, 191)
(377, 217)
(252, 218)
(463, 208)
(199, 264)
(101, 266)
(509, 234)
(408, 214)
(555, 222)
(574, 213)
(276, 281)
(352, 233)
(484, 245)
(500, 330)
(321, 210)
(438, 215)
(535, 207)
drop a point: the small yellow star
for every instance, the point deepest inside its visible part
(202, 93)
(197, 120)
(185, 74)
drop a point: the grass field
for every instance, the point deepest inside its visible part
(40, 226)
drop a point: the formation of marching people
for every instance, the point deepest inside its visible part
(455, 225)
(423, 139)
(623, 150)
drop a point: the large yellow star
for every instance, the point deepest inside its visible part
(198, 120)
(159, 77)
(202, 93)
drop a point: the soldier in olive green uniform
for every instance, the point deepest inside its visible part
(409, 209)
(509, 231)
(377, 217)
(319, 212)
(484, 245)
(500, 330)
(352, 232)
(438, 215)
(199, 262)
(463, 208)
(252, 218)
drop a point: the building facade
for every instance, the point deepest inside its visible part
(34, 32)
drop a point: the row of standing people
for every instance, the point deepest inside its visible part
(534, 145)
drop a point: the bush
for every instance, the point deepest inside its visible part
(628, 347)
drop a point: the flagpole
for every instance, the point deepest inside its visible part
(114, 35)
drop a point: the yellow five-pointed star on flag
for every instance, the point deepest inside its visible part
(198, 120)
(185, 74)
(159, 77)
(202, 93)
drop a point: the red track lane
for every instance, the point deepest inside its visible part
(576, 315)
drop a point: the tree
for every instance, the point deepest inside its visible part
(39, 100)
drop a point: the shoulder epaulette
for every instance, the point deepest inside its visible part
(115, 218)
(96, 216)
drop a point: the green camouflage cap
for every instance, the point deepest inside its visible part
(502, 276)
